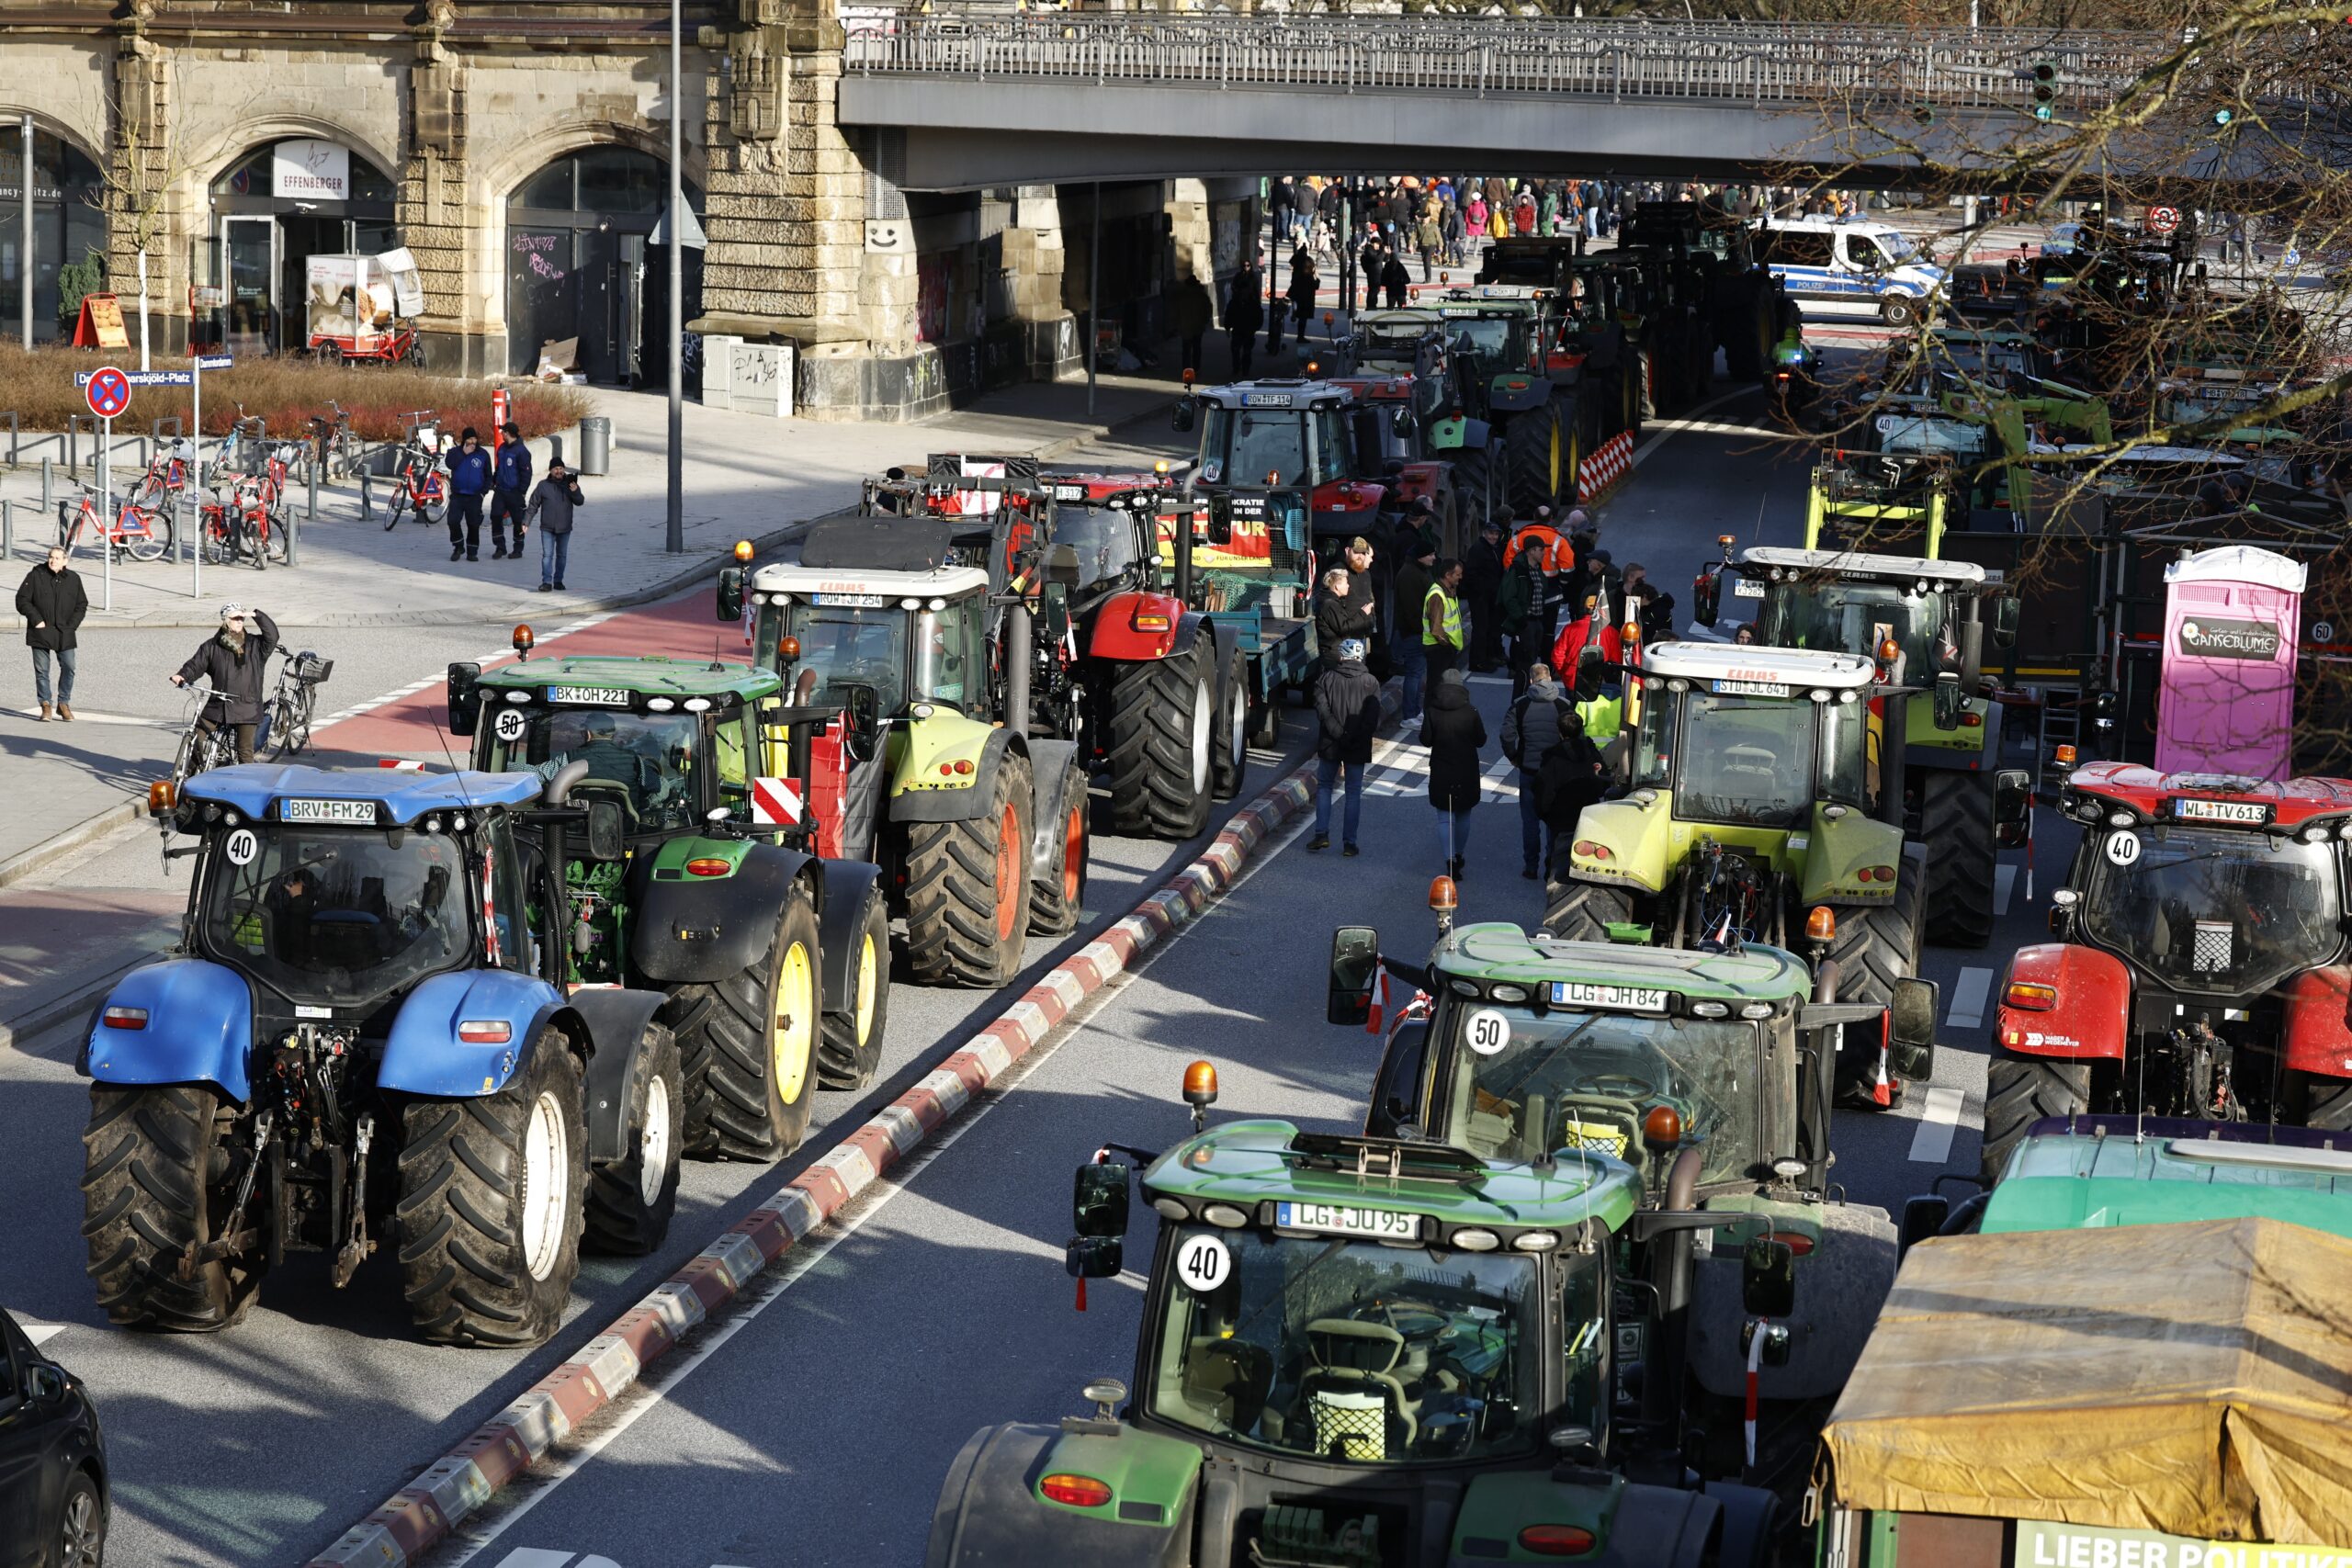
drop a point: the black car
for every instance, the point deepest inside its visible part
(52, 1462)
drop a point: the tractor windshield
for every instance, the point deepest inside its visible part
(338, 916)
(1487, 336)
(843, 649)
(1521, 1084)
(1846, 617)
(2214, 910)
(1349, 1350)
(645, 761)
(1253, 444)
(1745, 760)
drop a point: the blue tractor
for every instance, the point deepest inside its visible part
(365, 1030)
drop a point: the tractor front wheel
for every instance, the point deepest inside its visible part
(747, 1045)
(1162, 725)
(156, 1177)
(849, 1049)
(2021, 1090)
(1054, 904)
(1583, 911)
(630, 1199)
(1956, 828)
(968, 888)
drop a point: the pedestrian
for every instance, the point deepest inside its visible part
(1532, 725)
(1243, 316)
(470, 476)
(1430, 236)
(511, 481)
(1482, 579)
(1475, 215)
(1339, 617)
(1374, 261)
(1363, 593)
(1441, 620)
(1305, 285)
(236, 660)
(1527, 604)
(1570, 776)
(52, 603)
(1744, 635)
(552, 505)
(1395, 280)
(1453, 733)
(1347, 715)
(1189, 309)
(1414, 577)
(1522, 215)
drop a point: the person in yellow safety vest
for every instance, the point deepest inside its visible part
(1442, 621)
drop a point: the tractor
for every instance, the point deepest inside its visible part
(2200, 967)
(369, 1031)
(1711, 1067)
(1709, 258)
(1366, 1351)
(1938, 614)
(1752, 816)
(693, 754)
(1499, 334)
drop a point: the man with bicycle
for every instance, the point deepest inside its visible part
(236, 659)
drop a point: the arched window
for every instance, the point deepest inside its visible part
(69, 227)
(584, 279)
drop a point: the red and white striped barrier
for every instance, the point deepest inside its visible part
(1605, 468)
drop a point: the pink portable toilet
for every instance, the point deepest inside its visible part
(2228, 700)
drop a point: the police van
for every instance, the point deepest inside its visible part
(1849, 270)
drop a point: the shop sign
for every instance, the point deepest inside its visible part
(310, 171)
(2041, 1545)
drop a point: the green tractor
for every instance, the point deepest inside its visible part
(1938, 615)
(775, 956)
(1370, 1353)
(1713, 1068)
(1497, 334)
(1752, 815)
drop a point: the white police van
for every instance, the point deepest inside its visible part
(1849, 270)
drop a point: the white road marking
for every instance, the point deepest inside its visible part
(536, 1557)
(1938, 1118)
(1968, 995)
(85, 716)
(2004, 882)
(1666, 427)
(648, 1393)
(41, 1333)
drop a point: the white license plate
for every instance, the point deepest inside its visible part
(1070, 492)
(1747, 587)
(349, 813)
(1630, 999)
(1382, 1225)
(852, 601)
(1749, 688)
(1265, 399)
(2220, 811)
(602, 696)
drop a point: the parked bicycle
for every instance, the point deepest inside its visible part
(144, 534)
(421, 487)
(332, 448)
(167, 478)
(239, 526)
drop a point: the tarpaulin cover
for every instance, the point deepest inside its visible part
(2193, 1379)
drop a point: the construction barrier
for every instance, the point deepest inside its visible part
(1605, 468)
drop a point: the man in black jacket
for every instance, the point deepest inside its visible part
(1245, 311)
(52, 603)
(237, 661)
(1482, 580)
(1347, 713)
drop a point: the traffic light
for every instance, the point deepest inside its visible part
(2045, 89)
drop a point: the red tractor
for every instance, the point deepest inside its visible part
(2201, 968)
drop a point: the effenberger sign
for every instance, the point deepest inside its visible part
(2214, 638)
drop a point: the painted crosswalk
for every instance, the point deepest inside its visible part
(1404, 771)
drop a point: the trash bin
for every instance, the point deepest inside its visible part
(595, 445)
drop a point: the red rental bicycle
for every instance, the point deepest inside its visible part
(139, 532)
(422, 487)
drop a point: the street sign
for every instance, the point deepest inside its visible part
(143, 377)
(214, 361)
(108, 392)
(2164, 219)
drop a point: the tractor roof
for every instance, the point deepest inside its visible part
(1856, 564)
(1277, 393)
(1514, 299)
(1250, 1163)
(1792, 667)
(1400, 317)
(1501, 954)
(2204, 797)
(651, 676)
(2072, 1173)
(400, 796)
(806, 581)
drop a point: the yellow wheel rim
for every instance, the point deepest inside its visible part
(1556, 457)
(865, 988)
(796, 1023)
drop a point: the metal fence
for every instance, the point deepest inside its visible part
(1723, 62)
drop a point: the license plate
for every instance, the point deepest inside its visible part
(349, 813)
(2220, 811)
(1629, 999)
(601, 696)
(1070, 492)
(1382, 1225)
(1747, 587)
(1750, 688)
(852, 601)
(1265, 399)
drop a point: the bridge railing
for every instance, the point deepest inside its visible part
(1748, 62)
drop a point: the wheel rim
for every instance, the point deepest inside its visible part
(82, 1534)
(866, 988)
(796, 1018)
(546, 1156)
(1204, 727)
(1073, 854)
(1240, 738)
(1008, 872)
(653, 1142)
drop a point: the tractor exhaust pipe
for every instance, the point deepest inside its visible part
(1019, 638)
(1182, 530)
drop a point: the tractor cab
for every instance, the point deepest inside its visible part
(1399, 343)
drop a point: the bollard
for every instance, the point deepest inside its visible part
(48, 500)
(366, 495)
(12, 438)
(311, 483)
(7, 530)
(293, 540)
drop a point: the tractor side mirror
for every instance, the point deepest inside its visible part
(1911, 1030)
(1922, 1217)
(1094, 1256)
(2012, 805)
(1180, 418)
(2004, 622)
(465, 698)
(1355, 965)
(605, 840)
(1707, 595)
(1220, 520)
(1099, 1199)
(1401, 421)
(1950, 702)
(1768, 1278)
(731, 594)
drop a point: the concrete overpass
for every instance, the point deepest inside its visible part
(972, 99)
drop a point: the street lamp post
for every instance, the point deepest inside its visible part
(675, 539)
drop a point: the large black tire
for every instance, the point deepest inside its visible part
(735, 1035)
(1162, 723)
(157, 1175)
(492, 1201)
(967, 888)
(1956, 829)
(1875, 946)
(1229, 768)
(1535, 451)
(631, 1200)
(1581, 912)
(849, 1045)
(1055, 904)
(1478, 491)
(2021, 1090)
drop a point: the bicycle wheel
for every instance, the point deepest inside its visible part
(276, 544)
(430, 510)
(392, 511)
(154, 540)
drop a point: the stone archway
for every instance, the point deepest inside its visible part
(69, 224)
(577, 263)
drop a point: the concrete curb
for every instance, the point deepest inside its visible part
(119, 817)
(423, 1513)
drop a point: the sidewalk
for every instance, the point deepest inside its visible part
(744, 478)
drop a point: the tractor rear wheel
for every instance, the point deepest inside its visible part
(747, 1044)
(1162, 725)
(2021, 1090)
(1232, 759)
(630, 1199)
(1956, 828)
(491, 1204)
(157, 1176)
(1534, 447)
(849, 1043)
(1875, 946)
(968, 888)
(1583, 911)
(1054, 904)
(1478, 489)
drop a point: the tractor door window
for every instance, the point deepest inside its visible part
(1845, 752)
(843, 649)
(1653, 742)
(731, 751)
(943, 660)
(1330, 445)
(510, 902)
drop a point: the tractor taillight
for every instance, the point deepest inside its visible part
(2031, 998)
(126, 1018)
(708, 865)
(485, 1032)
(1076, 1491)
(1152, 621)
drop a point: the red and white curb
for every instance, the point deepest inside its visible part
(425, 1512)
(1603, 472)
